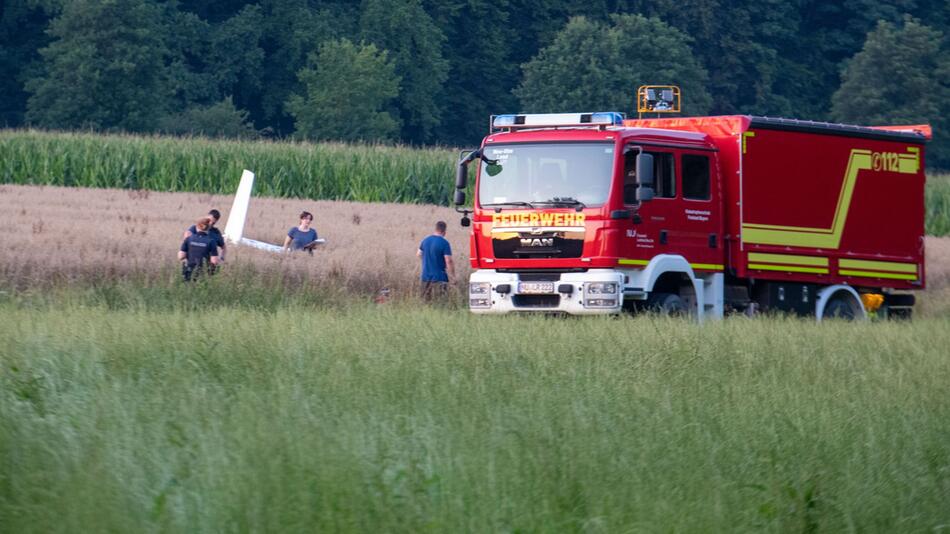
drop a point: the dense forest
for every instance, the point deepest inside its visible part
(431, 72)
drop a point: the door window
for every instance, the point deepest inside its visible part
(696, 177)
(664, 176)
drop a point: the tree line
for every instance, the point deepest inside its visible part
(431, 72)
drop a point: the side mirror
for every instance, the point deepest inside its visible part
(461, 175)
(645, 171)
(465, 221)
(644, 193)
(459, 197)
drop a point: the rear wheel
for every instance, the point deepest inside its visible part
(839, 308)
(667, 304)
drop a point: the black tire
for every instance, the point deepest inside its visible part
(668, 305)
(839, 308)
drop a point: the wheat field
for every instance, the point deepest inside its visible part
(56, 235)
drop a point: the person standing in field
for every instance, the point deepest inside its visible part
(438, 269)
(213, 232)
(302, 236)
(199, 251)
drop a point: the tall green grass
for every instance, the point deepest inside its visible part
(285, 169)
(379, 419)
(938, 204)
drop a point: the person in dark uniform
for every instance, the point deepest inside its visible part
(213, 232)
(199, 251)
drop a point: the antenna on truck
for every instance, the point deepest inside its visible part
(658, 99)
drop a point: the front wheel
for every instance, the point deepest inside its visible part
(667, 304)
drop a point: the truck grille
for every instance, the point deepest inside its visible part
(546, 245)
(536, 301)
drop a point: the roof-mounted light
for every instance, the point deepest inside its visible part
(550, 120)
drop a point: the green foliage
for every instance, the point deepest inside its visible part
(591, 66)
(901, 76)
(458, 60)
(220, 120)
(481, 67)
(209, 62)
(938, 205)
(233, 418)
(369, 173)
(346, 89)
(105, 68)
(22, 34)
(414, 43)
(292, 30)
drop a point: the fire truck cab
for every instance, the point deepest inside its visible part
(588, 213)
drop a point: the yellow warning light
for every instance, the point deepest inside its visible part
(872, 301)
(658, 99)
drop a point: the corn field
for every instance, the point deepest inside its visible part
(328, 171)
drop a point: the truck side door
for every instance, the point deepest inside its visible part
(683, 217)
(649, 233)
(699, 225)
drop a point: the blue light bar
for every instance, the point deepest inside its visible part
(505, 120)
(541, 120)
(607, 117)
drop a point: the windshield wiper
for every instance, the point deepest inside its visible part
(498, 205)
(566, 200)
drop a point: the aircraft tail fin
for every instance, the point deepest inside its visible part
(234, 230)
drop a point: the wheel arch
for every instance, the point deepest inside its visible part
(825, 295)
(665, 270)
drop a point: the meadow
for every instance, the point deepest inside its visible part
(279, 396)
(361, 418)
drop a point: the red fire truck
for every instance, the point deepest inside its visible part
(589, 213)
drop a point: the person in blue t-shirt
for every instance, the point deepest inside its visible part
(213, 232)
(301, 237)
(437, 266)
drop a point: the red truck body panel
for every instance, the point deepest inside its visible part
(788, 200)
(815, 202)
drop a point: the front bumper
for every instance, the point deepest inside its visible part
(583, 293)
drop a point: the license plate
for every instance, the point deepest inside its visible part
(535, 287)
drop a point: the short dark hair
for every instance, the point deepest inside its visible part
(440, 226)
(306, 215)
(215, 214)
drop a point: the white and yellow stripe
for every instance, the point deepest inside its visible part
(791, 263)
(878, 269)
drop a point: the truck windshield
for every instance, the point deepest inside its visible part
(563, 174)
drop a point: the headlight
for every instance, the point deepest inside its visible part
(479, 303)
(601, 288)
(479, 288)
(600, 303)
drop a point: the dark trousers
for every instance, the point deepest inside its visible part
(193, 272)
(432, 290)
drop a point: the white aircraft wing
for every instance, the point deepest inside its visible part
(234, 231)
(261, 245)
